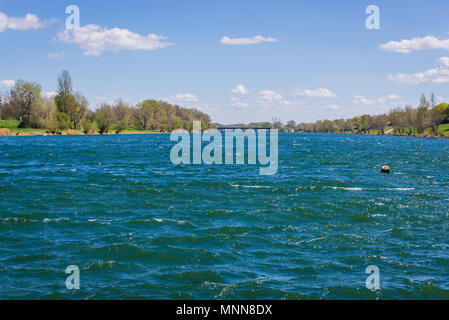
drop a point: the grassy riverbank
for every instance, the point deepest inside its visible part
(12, 126)
(443, 131)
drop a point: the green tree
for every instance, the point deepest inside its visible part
(65, 100)
(58, 123)
(379, 123)
(437, 116)
(177, 123)
(7, 111)
(79, 111)
(408, 118)
(349, 125)
(105, 118)
(48, 109)
(26, 100)
(421, 114)
(88, 126)
(120, 126)
(74, 105)
(122, 112)
(363, 123)
(145, 114)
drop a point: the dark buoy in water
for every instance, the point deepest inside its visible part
(385, 169)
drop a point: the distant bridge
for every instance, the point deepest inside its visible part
(244, 128)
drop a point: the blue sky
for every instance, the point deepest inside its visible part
(312, 60)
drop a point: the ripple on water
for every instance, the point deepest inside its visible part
(139, 227)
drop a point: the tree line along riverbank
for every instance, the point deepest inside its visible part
(25, 111)
(429, 119)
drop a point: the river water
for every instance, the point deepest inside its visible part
(139, 227)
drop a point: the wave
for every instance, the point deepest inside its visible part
(47, 220)
(181, 222)
(250, 187)
(347, 188)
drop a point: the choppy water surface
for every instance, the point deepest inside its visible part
(139, 227)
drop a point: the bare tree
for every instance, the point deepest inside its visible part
(65, 84)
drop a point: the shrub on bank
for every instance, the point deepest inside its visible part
(59, 123)
(121, 125)
(88, 127)
(105, 118)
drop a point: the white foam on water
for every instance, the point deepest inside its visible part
(170, 220)
(47, 220)
(249, 187)
(347, 189)
(380, 204)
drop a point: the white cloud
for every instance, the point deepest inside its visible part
(393, 97)
(182, 97)
(239, 104)
(30, 21)
(270, 97)
(332, 107)
(57, 55)
(440, 74)
(94, 40)
(407, 46)
(239, 89)
(381, 103)
(363, 100)
(7, 83)
(253, 40)
(318, 93)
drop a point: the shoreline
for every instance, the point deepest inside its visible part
(31, 134)
(382, 135)
(387, 134)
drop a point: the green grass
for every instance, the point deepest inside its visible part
(444, 129)
(12, 125)
(9, 124)
(28, 131)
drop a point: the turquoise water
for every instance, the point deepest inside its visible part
(139, 227)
